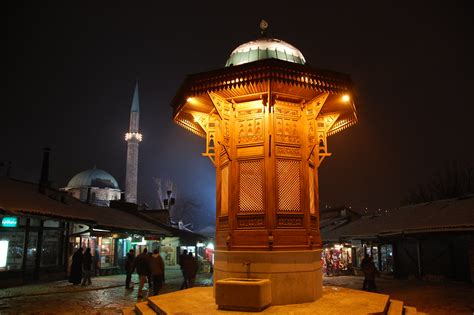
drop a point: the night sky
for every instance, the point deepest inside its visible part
(72, 66)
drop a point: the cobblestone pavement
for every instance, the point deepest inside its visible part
(435, 298)
(106, 295)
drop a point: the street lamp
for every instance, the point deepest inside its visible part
(168, 202)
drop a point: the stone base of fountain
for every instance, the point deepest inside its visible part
(238, 294)
(295, 276)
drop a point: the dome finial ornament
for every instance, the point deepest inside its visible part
(263, 27)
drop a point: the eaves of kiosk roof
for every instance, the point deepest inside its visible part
(450, 215)
(252, 78)
(23, 198)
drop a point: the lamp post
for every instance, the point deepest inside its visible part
(168, 203)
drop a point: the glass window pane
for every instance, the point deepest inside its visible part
(50, 251)
(13, 248)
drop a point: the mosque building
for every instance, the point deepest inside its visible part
(98, 187)
(94, 186)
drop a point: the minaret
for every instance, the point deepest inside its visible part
(133, 138)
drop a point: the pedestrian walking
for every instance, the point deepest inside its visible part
(87, 267)
(157, 270)
(96, 263)
(142, 265)
(75, 274)
(182, 261)
(370, 272)
(363, 266)
(129, 268)
(190, 269)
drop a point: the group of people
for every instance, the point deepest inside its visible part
(189, 268)
(370, 272)
(149, 267)
(81, 267)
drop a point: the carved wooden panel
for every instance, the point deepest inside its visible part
(288, 185)
(250, 130)
(314, 222)
(223, 223)
(225, 130)
(288, 151)
(287, 111)
(250, 151)
(290, 221)
(222, 106)
(287, 130)
(250, 111)
(250, 222)
(312, 111)
(311, 187)
(224, 190)
(251, 186)
(311, 127)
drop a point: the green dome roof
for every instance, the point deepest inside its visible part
(265, 48)
(93, 178)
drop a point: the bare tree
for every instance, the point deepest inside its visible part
(454, 180)
(186, 209)
(159, 191)
(165, 189)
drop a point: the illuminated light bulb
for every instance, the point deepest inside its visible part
(189, 100)
(346, 98)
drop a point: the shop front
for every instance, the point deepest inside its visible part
(108, 249)
(31, 249)
(382, 255)
(337, 259)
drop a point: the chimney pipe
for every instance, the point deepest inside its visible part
(5, 168)
(9, 168)
(44, 179)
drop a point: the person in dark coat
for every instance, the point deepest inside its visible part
(190, 269)
(182, 261)
(75, 275)
(87, 267)
(142, 265)
(157, 270)
(129, 265)
(363, 266)
(370, 271)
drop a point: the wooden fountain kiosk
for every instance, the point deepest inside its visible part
(266, 118)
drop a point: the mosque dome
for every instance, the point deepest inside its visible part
(265, 48)
(93, 178)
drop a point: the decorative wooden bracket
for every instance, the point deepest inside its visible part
(225, 149)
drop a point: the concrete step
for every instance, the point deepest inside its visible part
(152, 302)
(142, 308)
(409, 310)
(395, 307)
(129, 311)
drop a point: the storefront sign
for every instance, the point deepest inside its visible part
(138, 240)
(9, 221)
(152, 238)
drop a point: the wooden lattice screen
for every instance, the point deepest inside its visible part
(288, 185)
(251, 186)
